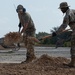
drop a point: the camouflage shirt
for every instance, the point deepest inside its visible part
(69, 19)
(26, 18)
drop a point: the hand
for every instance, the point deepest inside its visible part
(21, 32)
(54, 34)
(19, 25)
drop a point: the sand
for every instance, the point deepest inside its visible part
(44, 65)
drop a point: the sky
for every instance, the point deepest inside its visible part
(45, 14)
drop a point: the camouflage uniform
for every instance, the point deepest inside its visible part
(69, 19)
(29, 32)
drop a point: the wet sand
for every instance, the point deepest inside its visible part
(20, 55)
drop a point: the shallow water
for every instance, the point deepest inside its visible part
(20, 55)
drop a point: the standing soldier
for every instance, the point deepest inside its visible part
(28, 31)
(69, 19)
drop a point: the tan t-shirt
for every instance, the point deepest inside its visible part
(69, 19)
(26, 18)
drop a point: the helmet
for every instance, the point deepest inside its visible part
(63, 5)
(20, 7)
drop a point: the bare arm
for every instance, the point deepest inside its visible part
(24, 27)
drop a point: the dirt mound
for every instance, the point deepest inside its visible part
(46, 60)
(45, 65)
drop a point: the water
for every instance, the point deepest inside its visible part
(20, 55)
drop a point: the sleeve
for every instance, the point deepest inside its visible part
(64, 24)
(27, 18)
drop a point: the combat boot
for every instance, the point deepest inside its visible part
(71, 64)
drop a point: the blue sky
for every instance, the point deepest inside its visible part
(45, 14)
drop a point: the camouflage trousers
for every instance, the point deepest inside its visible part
(72, 51)
(26, 39)
(29, 44)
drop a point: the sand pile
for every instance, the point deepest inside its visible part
(46, 60)
(12, 37)
(45, 65)
(16, 37)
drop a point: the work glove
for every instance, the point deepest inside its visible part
(19, 25)
(54, 34)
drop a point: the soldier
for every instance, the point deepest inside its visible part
(69, 19)
(28, 31)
